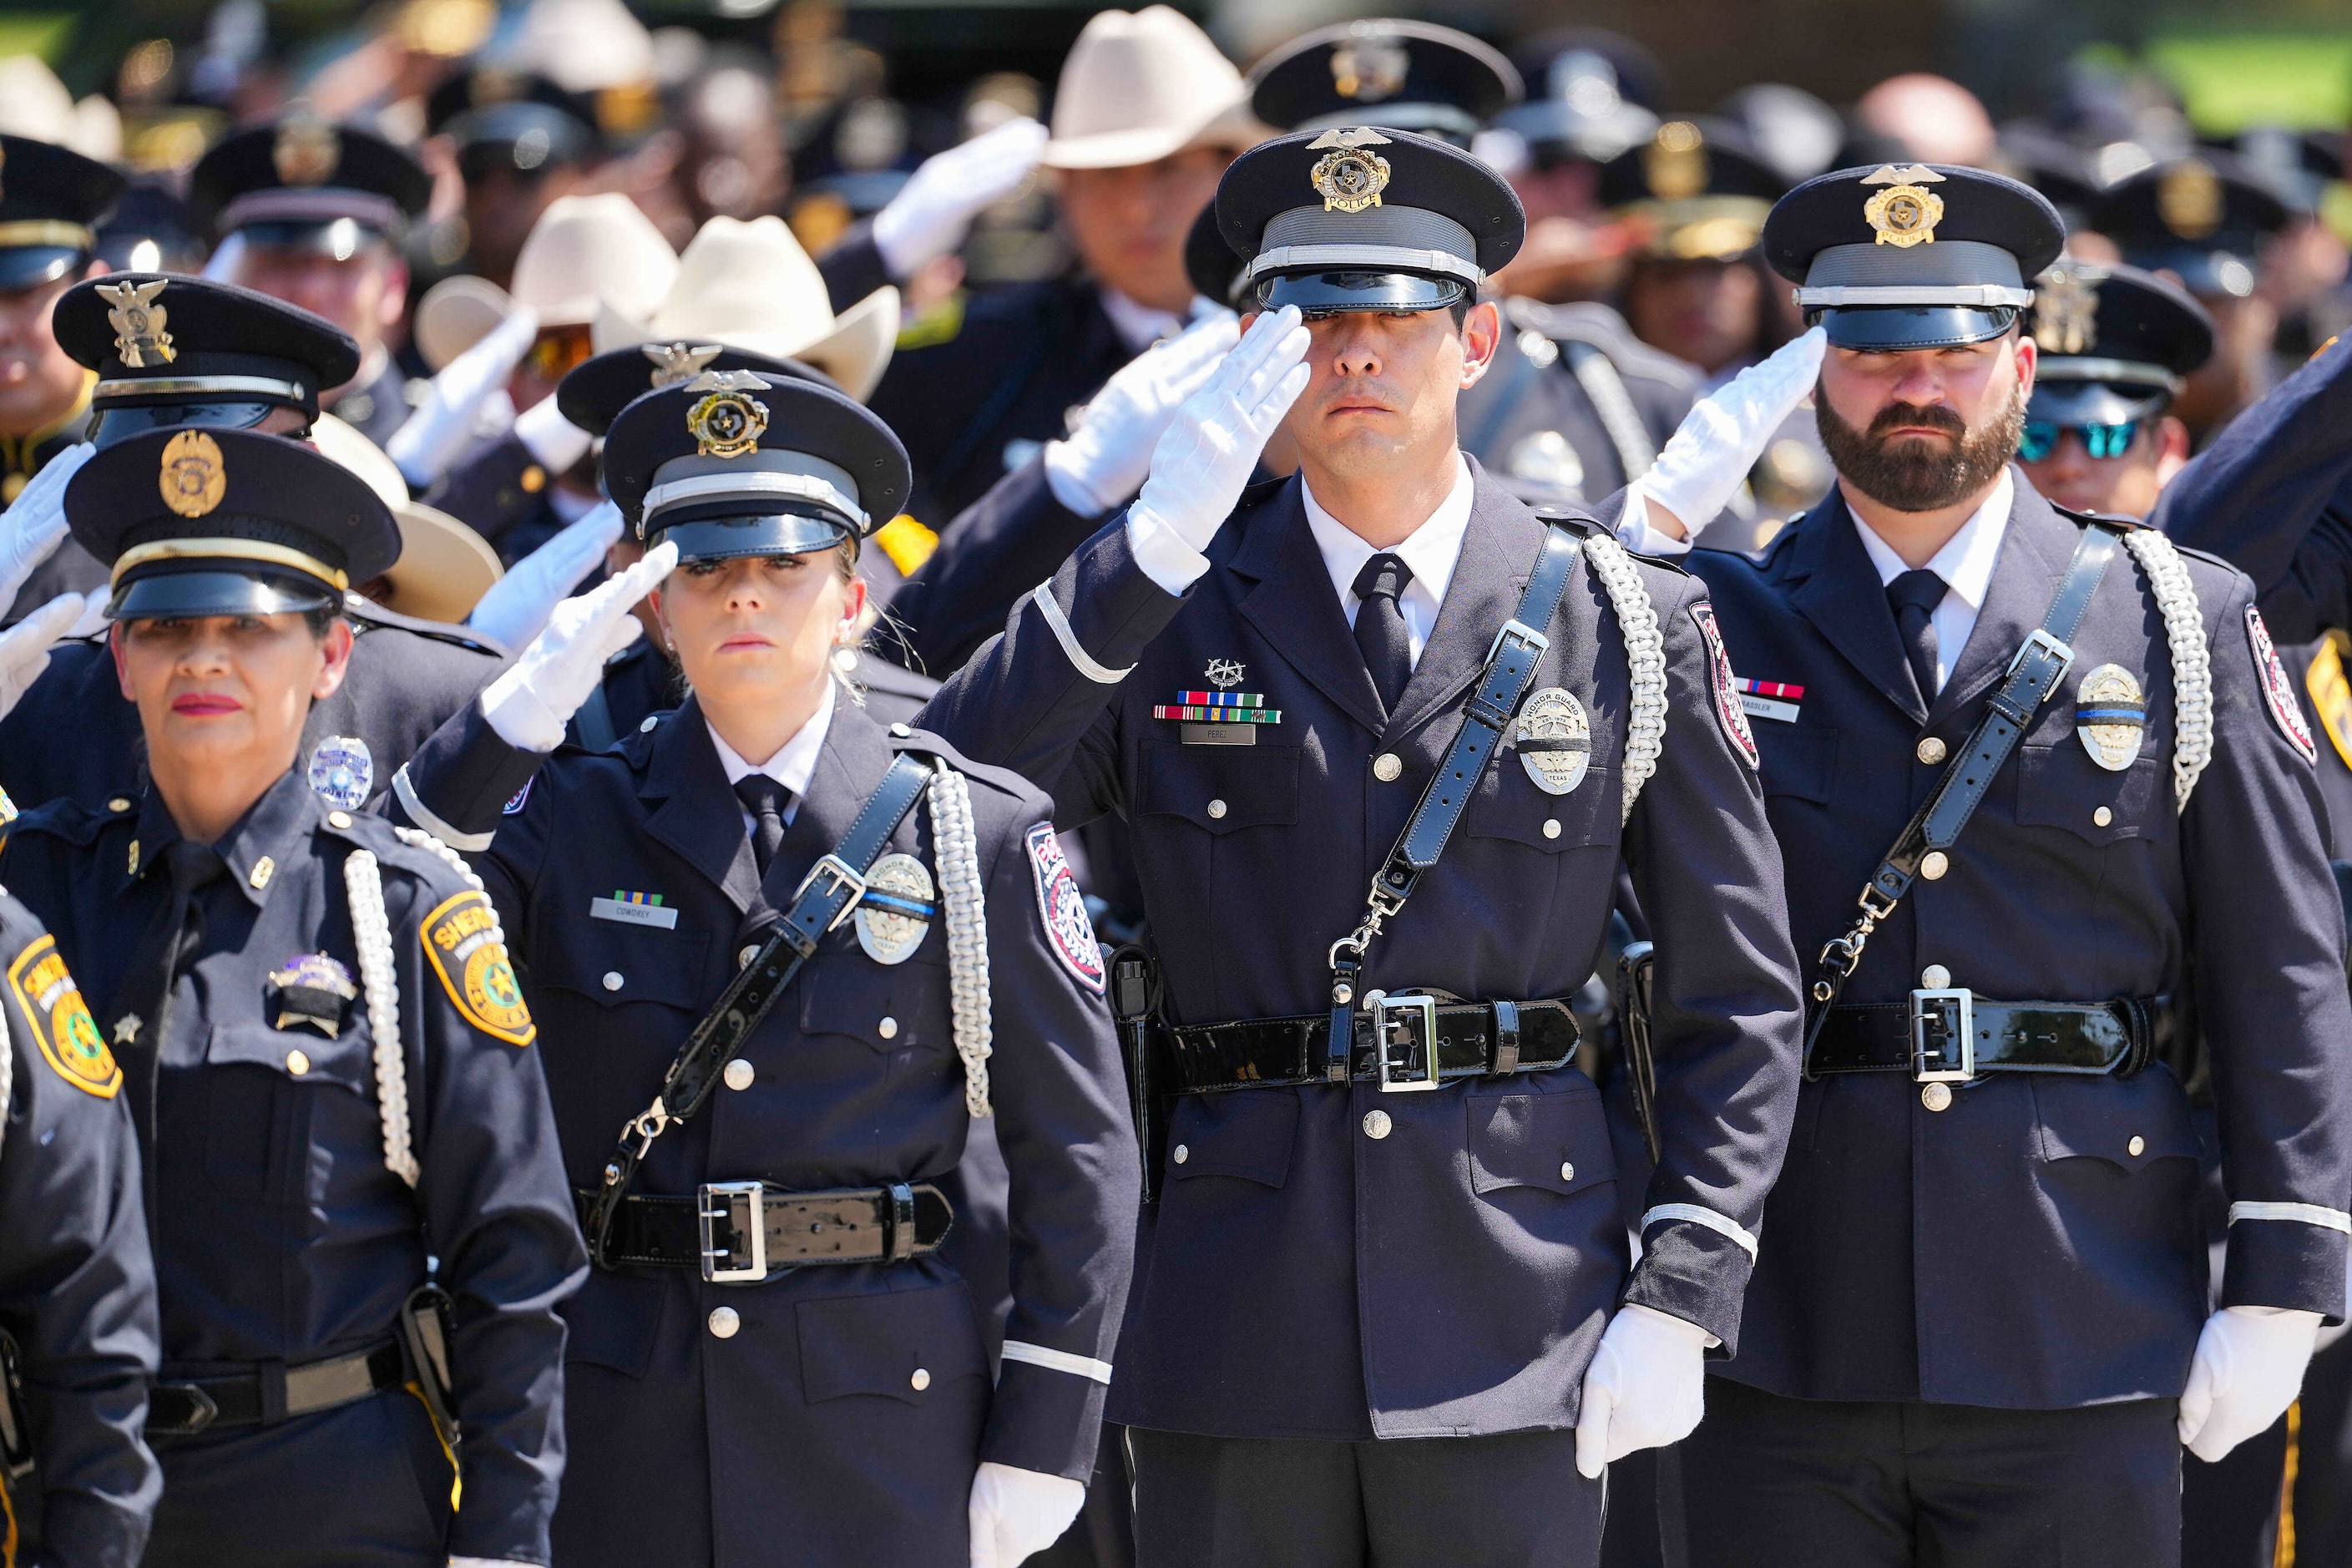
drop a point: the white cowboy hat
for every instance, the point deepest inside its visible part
(750, 286)
(1138, 85)
(444, 567)
(585, 255)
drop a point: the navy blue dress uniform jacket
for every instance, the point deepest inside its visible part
(810, 1434)
(1301, 1279)
(281, 1238)
(2037, 1245)
(1533, 390)
(76, 1284)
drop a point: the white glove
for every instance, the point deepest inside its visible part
(1646, 1387)
(25, 647)
(35, 523)
(528, 705)
(1723, 436)
(549, 437)
(516, 608)
(432, 437)
(1016, 1512)
(2248, 1370)
(928, 217)
(1107, 456)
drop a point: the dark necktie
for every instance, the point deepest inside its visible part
(1913, 596)
(765, 799)
(1381, 632)
(143, 1012)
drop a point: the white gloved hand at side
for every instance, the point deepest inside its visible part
(433, 436)
(1016, 1512)
(25, 647)
(518, 605)
(928, 217)
(1646, 1387)
(1107, 457)
(530, 704)
(1725, 434)
(35, 523)
(2248, 1368)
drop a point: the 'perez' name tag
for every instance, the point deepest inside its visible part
(629, 912)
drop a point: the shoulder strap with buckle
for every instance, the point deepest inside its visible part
(826, 897)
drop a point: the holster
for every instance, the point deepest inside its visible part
(1633, 974)
(425, 1340)
(1143, 1056)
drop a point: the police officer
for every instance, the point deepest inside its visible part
(807, 1376)
(322, 1047)
(1432, 1210)
(1981, 1332)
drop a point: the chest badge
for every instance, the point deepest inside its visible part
(898, 909)
(311, 992)
(342, 771)
(1554, 739)
(2111, 716)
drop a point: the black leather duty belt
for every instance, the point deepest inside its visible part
(1953, 1037)
(272, 1392)
(740, 1233)
(1472, 1039)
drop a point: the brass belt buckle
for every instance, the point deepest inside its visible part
(740, 1207)
(1940, 1020)
(1401, 1011)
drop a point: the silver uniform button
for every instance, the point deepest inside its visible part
(1387, 767)
(298, 1063)
(901, 731)
(724, 1322)
(2136, 1147)
(2102, 816)
(1216, 808)
(646, 729)
(743, 959)
(1180, 1154)
(1933, 864)
(738, 1074)
(1567, 1171)
(1931, 751)
(613, 980)
(1936, 1096)
(1377, 1124)
(1551, 828)
(1936, 977)
(921, 1381)
(887, 1028)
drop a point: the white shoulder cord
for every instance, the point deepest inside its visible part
(7, 1071)
(2192, 662)
(959, 857)
(1645, 659)
(363, 881)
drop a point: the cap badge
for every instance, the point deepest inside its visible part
(1370, 69)
(1676, 162)
(2189, 199)
(674, 362)
(194, 478)
(1906, 213)
(1348, 178)
(307, 151)
(140, 341)
(2066, 311)
(727, 422)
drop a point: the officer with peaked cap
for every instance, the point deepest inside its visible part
(522, 144)
(2049, 816)
(324, 1047)
(1388, 71)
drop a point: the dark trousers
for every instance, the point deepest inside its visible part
(1768, 1482)
(1510, 1501)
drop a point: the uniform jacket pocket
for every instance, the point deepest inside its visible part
(259, 1107)
(1559, 1142)
(615, 1321)
(2130, 1123)
(1220, 789)
(888, 1006)
(1509, 806)
(2061, 786)
(1796, 760)
(1245, 1132)
(878, 1344)
(613, 964)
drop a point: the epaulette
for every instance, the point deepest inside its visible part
(366, 615)
(906, 738)
(1785, 539)
(2121, 524)
(76, 822)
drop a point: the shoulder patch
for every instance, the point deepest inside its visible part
(1060, 905)
(521, 798)
(461, 940)
(2278, 691)
(69, 1036)
(1724, 688)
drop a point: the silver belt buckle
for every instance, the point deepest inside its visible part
(741, 1205)
(1937, 1019)
(1386, 1007)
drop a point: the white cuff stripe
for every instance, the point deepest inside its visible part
(1058, 1361)
(1698, 1215)
(1102, 674)
(2309, 1214)
(471, 843)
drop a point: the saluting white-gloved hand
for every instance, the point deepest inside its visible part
(1015, 1513)
(518, 605)
(528, 705)
(35, 523)
(2248, 1368)
(1107, 457)
(433, 436)
(1646, 1387)
(25, 647)
(1723, 436)
(928, 217)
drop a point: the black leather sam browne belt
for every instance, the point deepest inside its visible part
(1401, 1042)
(1956, 1035)
(740, 1233)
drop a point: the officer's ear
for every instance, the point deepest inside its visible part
(2028, 355)
(121, 672)
(1482, 334)
(335, 646)
(2171, 439)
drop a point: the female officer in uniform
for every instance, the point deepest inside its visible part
(322, 1048)
(771, 1362)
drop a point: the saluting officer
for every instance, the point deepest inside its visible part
(322, 1045)
(1378, 1153)
(2058, 763)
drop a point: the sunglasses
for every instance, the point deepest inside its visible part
(2040, 439)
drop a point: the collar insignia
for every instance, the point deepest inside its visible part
(674, 362)
(307, 151)
(1906, 213)
(193, 476)
(2066, 311)
(140, 341)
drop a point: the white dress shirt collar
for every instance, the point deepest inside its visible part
(1965, 563)
(795, 762)
(1432, 551)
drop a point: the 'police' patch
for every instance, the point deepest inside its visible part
(342, 771)
(2278, 691)
(1725, 688)
(461, 940)
(62, 1021)
(1063, 909)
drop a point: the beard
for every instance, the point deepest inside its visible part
(1914, 473)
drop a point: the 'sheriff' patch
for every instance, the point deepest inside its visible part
(1062, 908)
(474, 968)
(2278, 690)
(62, 1021)
(1728, 709)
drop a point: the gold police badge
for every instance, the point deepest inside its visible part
(307, 151)
(1906, 213)
(193, 476)
(1554, 739)
(727, 421)
(893, 916)
(1348, 178)
(674, 362)
(1368, 69)
(2111, 716)
(2189, 199)
(2066, 310)
(140, 341)
(1674, 163)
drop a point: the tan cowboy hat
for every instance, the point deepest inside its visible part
(750, 286)
(444, 567)
(1142, 85)
(585, 255)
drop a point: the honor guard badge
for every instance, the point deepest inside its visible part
(2278, 691)
(1348, 178)
(1554, 739)
(342, 771)
(1907, 212)
(896, 911)
(2331, 693)
(1060, 905)
(463, 942)
(2111, 716)
(311, 992)
(1729, 709)
(61, 1022)
(140, 341)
